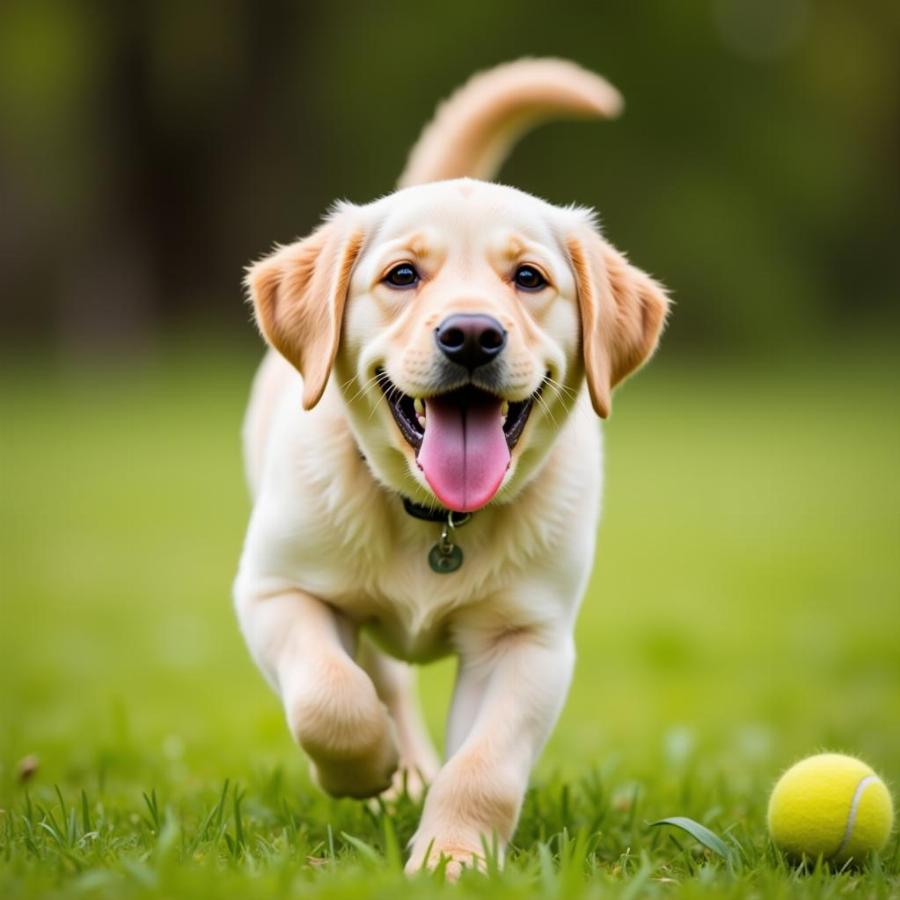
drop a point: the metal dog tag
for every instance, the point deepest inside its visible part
(445, 556)
(444, 560)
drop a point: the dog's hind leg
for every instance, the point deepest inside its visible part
(395, 682)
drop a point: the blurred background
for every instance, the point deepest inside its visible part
(745, 603)
(149, 150)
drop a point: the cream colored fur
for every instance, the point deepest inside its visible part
(334, 593)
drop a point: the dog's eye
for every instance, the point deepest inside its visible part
(529, 279)
(402, 276)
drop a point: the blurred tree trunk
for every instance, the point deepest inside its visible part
(151, 246)
(109, 287)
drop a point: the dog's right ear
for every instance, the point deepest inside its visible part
(299, 292)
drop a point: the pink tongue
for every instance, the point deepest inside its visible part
(464, 455)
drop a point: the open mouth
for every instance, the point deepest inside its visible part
(411, 415)
(463, 439)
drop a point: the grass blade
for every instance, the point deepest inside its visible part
(239, 838)
(699, 833)
(392, 852)
(86, 825)
(365, 850)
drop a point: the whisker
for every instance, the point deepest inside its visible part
(364, 389)
(390, 393)
(547, 409)
(560, 387)
(378, 403)
(569, 401)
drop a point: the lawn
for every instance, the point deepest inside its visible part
(744, 612)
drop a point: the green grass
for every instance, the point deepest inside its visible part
(743, 613)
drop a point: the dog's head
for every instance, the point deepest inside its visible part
(461, 319)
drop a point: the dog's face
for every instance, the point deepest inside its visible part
(460, 318)
(461, 337)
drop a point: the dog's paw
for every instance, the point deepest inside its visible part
(367, 770)
(361, 778)
(453, 857)
(346, 732)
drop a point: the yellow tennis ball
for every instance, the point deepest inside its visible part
(832, 806)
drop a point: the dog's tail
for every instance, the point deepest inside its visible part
(474, 130)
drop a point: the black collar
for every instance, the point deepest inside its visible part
(434, 513)
(427, 513)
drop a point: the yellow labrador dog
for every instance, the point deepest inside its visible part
(425, 462)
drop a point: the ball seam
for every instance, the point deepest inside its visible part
(851, 816)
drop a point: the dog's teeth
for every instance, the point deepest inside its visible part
(419, 407)
(421, 420)
(504, 408)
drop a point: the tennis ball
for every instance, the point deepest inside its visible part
(832, 806)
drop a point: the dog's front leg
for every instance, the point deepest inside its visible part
(508, 696)
(304, 648)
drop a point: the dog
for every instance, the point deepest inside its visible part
(425, 463)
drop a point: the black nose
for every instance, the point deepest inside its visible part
(470, 340)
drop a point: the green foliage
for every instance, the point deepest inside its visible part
(742, 614)
(149, 151)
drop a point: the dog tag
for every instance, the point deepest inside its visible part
(445, 558)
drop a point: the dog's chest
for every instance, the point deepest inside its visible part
(408, 607)
(411, 638)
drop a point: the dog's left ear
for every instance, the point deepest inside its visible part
(623, 311)
(298, 295)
